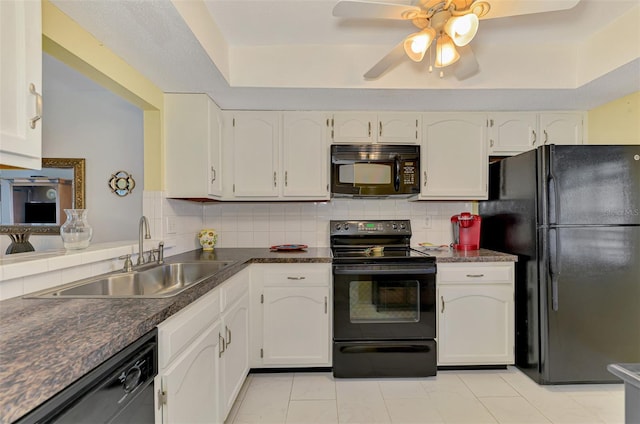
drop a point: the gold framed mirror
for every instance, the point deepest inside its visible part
(36, 199)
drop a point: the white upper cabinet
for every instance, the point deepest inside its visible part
(372, 127)
(453, 156)
(256, 142)
(21, 84)
(512, 132)
(562, 127)
(193, 146)
(305, 155)
(279, 155)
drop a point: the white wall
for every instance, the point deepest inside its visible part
(83, 120)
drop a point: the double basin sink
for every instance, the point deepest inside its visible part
(149, 281)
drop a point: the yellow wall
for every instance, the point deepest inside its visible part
(65, 40)
(616, 122)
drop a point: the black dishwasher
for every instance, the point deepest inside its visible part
(118, 391)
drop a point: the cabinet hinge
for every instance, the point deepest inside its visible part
(234, 188)
(234, 122)
(261, 353)
(262, 298)
(162, 397)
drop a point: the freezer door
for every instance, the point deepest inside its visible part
(590, 316)
(589, 184)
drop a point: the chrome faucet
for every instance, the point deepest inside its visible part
(142, 223)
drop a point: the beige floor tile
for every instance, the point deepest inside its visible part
(312, 411)
(358, 389)
(483, 385)
(313, 386)
(457, 409)
(413, 411)
(513, 410)
(608, 406)
(402, 389)
(362, 411)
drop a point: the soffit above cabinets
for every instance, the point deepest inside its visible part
(294, 55)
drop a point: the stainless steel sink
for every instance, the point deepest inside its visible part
(164, 280)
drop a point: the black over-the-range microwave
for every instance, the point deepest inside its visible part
(375, 170)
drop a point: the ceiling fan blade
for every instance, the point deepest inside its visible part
(392, 58)
(367, 9)
(467, 66)
(504, 8)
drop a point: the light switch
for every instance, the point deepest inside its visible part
(171, 224)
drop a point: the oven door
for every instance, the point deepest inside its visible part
(384, 302)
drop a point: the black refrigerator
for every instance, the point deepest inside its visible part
(572, 216)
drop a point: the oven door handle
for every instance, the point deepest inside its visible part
(343, 270)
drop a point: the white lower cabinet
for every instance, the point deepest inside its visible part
(189, 343)
(476, 313)
(292, 320)
(203, 356)
(234, 357)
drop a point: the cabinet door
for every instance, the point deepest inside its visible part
(454, 156)
(191, 381)
(235, 358)
(512, 132)
(475, 324)
(255, 158)
(305, 155)
(561, 128)
(215, 150)
(21, 66)
(296, 325)
(401, 127)
(354, 127)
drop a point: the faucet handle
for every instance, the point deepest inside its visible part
(161, 252)
(128, 264)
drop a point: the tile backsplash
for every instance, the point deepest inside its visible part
(263, 224)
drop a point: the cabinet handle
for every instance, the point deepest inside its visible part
(546, 136)
(442, 307)
(227, 341)
(425, 178)
(491, 123)
(274, 178)
(475, 275)
(491, 143)
(369, 128)
(380, 124)
(214, 174)
(32, 121)
(535, 137)
(296, 278)
(325, 305)
(286, 178)
(221, 349)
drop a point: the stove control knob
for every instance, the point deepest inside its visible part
(402, 226)
(337, 227)
(394, 226)
(346, 226)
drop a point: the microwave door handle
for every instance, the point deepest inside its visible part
(396, 179)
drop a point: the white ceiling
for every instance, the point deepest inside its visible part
(294, 55)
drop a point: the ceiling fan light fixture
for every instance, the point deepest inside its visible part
(462, 29)
(416, 45)
(446, 53)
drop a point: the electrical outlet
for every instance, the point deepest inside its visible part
(427, 222)
(171, 224)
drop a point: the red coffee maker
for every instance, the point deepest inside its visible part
(466, 231)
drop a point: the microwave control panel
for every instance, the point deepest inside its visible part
(409, 172)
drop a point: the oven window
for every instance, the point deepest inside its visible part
(384, 301)
(365, 173)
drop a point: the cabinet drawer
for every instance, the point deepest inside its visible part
(298, 275)
(177, 332)
(233, 289)
(468, 273)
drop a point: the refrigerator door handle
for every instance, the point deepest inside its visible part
(553, 267)
(552, 197)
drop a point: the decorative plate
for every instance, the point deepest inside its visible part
(431, 246)
(288, 247)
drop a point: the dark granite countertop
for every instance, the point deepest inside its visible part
(47, 344)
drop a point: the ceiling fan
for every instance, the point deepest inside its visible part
(445, 28)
